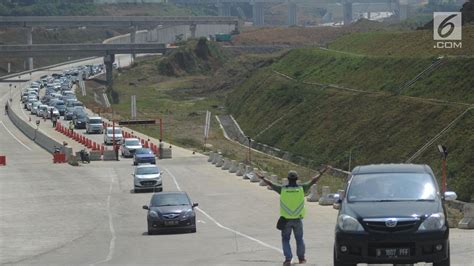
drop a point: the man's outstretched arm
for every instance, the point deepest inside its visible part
(275, 187)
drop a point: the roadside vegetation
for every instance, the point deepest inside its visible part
(320, 123)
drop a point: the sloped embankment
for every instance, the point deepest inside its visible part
(326, 124)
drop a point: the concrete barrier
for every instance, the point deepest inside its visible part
(313, 194)
(467, 222)
(227, 164)
(166, 153)
(248, 171)
(95, 155)
(211, 156)
(220, 163)
(241, 170)
(109, 155)
(37, 136)
(267, 176)
(253, 176)
(274, 180)
(326, 197)
(234, 167)
(217, 158)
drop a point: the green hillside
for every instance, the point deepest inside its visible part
(324, 123)
(405, 44)
(378, 73)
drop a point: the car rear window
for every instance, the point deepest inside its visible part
(95, 121)
(169, 200)
(391, 187)
(147, 170)
(134, 142)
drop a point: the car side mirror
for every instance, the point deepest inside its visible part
(162, 173)
(450, 196)
(145, 207)
(195, 204)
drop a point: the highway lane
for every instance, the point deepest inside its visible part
(58, 214)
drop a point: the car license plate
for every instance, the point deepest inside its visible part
(392, 252)
(169, 223)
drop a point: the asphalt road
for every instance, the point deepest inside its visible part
(56, 214)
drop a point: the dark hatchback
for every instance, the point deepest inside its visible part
(392, 213)
(171, 211)
(144, 155)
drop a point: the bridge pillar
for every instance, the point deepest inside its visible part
(29, 41)
(109, 66)
(347, 11)
(133, 35)
(192, 28)
(258, 14)
(292, 17)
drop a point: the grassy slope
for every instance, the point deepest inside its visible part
(377, 73)
(406, 44)
(324, 125)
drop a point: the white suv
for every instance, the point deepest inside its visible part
(109, 135)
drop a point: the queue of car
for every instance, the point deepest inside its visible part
(166, 210)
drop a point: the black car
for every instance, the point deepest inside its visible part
(79, 119)
(171, 211)
(392, 213)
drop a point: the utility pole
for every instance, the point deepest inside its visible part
(250, 149)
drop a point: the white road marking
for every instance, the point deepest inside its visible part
(111, 226)
(201, 221)
(19, 141)
(224, 227)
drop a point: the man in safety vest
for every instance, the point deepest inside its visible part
(292, 212)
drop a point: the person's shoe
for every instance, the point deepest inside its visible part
(302, 261)
(287, 263)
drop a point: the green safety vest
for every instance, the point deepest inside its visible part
(292, 202)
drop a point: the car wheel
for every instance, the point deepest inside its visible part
(150, 231)
(193, 230)
(135, 163)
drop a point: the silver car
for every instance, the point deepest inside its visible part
(147, 177)
(129, 146)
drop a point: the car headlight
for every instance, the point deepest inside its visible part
(435, 221)
(348, 223)
(187, 214)
(153, 214)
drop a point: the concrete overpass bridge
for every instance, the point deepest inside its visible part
(348, 6)
(108, 51)
(132, 22)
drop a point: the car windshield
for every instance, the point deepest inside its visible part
(169, 200)
(117, 131)
(391, 187)
(133, 142)
(95, 121)
(59, 103)
(147, 170)
(143, 151)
